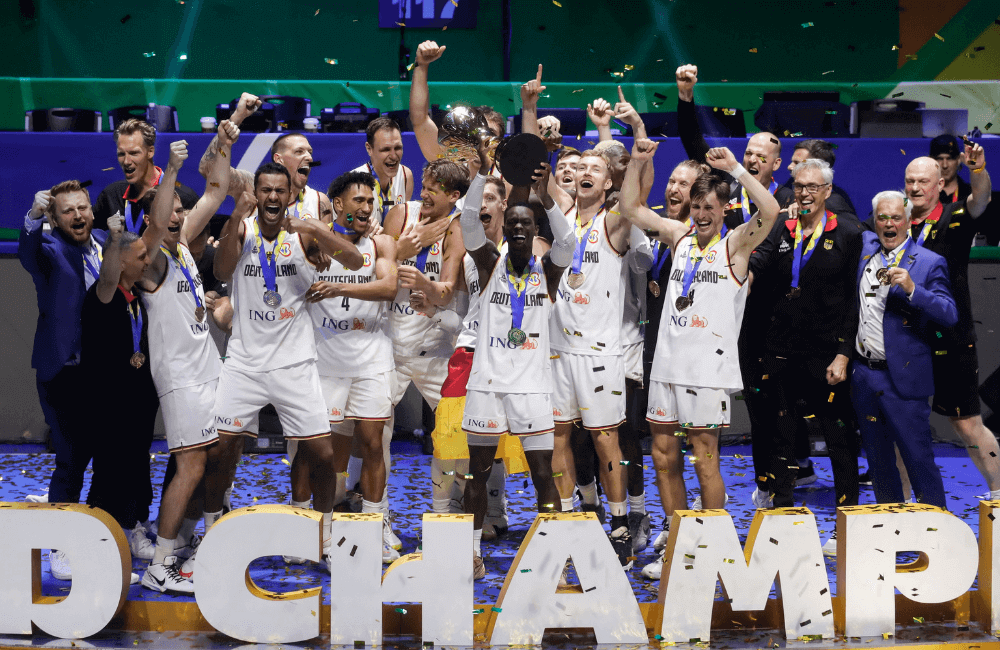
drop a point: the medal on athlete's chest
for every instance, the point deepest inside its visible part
(575, 280)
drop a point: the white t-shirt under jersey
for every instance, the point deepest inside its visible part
(351, 334)
(588, 319)
(265, 338)
(697, 346)
(412, 333)
(181, 350)
(499, 365)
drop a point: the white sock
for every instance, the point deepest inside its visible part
(299, 504)
(589, 493)
(385, 494)
(567, 505)
(477, 540)
(353, 472)
(637, 504)
(164, 549)
(803, 462)
(186, 531)
(327, 522)
(617, 509)
(994, 495)
(440, 506)
(368, 506)
(383, 505)
(211, 518)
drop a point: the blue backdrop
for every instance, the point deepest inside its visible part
(34, 161)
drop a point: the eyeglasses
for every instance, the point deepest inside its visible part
(890, 218)
(812, 188)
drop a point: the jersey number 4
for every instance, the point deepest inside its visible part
(346, 304)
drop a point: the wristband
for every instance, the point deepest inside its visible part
(737, 171)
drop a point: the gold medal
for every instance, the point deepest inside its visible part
(882, 275)
(654, 288)
(137, 360)
(575, 280)
(199, 314)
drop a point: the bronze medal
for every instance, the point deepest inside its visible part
(794, 292)
(199, 314)
(683, 302)
(882, 275)
(575, 280)
(137, 360)
(654, 288)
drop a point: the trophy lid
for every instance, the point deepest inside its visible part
(519, 156)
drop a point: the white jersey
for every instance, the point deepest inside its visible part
(634, 307)
(502, 366)
(265, 338)
(181, 351)
(697, 346)
(587, 319)
(386, 198)
(470, 324)
(412, 333)
(305, 206)
(351, 337)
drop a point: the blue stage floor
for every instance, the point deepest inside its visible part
(263, 478)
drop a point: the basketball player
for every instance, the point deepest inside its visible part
(696, 363)
(393, 179)
(355, 354)
(272, 354)
(183, 358)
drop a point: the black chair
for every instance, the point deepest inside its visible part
(259, 122)
(572, 121)
(163, 118)
(804, 114)
(403, 117)
(63, 119)
(346, 117)
(658, 125)
(289, 112)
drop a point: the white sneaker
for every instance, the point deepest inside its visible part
(388, 536)
(189, 549)
(830, 548)
(187, 569)
(59, 565)
(496, 522)
(291, 559)
(661, 540)
(227, 500)
(762, 499)
(141, 547)
(696, 504)
(389, 554)
(653, 570)
(44, 498)
(134, 580)
(165, 578)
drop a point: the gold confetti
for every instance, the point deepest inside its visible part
(285, 461)
(895, 47)
(108, 169)
(753, 50)
(577, 91)
(556, 3)
(629, 68)
(317, 13)
(940, 38)
(902, 151)
(911, 57)
(214, 184)
(401, 24)
(331, 61)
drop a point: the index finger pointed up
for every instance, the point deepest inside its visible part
(538, 77)
(621, 95)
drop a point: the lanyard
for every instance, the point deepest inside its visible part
(893, 261)
(421, 260)
(136, 316)
(517, 286)
(94, 270)
(745, 203)
(660, 258)
(269, 261)
(342, 230)
(296, 209)
(179, 259)
(136, 224)
(800, 255)
(929, 223)
(383, 195)
(582, 238)
(691, 267)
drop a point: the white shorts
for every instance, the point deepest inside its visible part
(588, 388)
(426, 373)
(358, 398)
(530, 442)
(632, 355)
(294, 391)
(189, 416)
(689, 406)
(521, 414)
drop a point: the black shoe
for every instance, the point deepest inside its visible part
(805, 475)
(598, 509)
(864, 478)
(621, 541)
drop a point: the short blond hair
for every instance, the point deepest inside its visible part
(66, 187)
(132, 125)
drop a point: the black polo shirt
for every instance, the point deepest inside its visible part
(734, 210)
(106, 344)
(823, 320)
(654, 303)
(112, 199)
(963, 192)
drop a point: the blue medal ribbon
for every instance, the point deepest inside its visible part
(136, 316)
(342, 230)
(746, 202)
(660, 258)
(94, 270)
(800, 255)
(582, 241)
(179, 260)
(132, 226)
(895, 260)
(268, 262)
(517, 286)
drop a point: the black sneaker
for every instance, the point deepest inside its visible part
(805, 475)
(621, 541)
(864, 478)
(597, 509)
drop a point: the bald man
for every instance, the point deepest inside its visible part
(948, 231)
(761, 158)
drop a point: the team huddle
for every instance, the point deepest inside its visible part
(532, 317)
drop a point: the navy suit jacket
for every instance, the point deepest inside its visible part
(909, 322)
(56, 267)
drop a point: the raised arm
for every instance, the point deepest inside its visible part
(215, 185)
(29, 242)
(111, 268)
(315, 233)
(982, 187)
(227, 255)
(483, 252)
(749, 235)
(529, 104)
(240, 180)
(630, 203)
(687, 120)
(625, 112)
(600, 113)
(163, 204)
(420, 103)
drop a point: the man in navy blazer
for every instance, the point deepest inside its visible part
(904, 299)
(63, 264)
